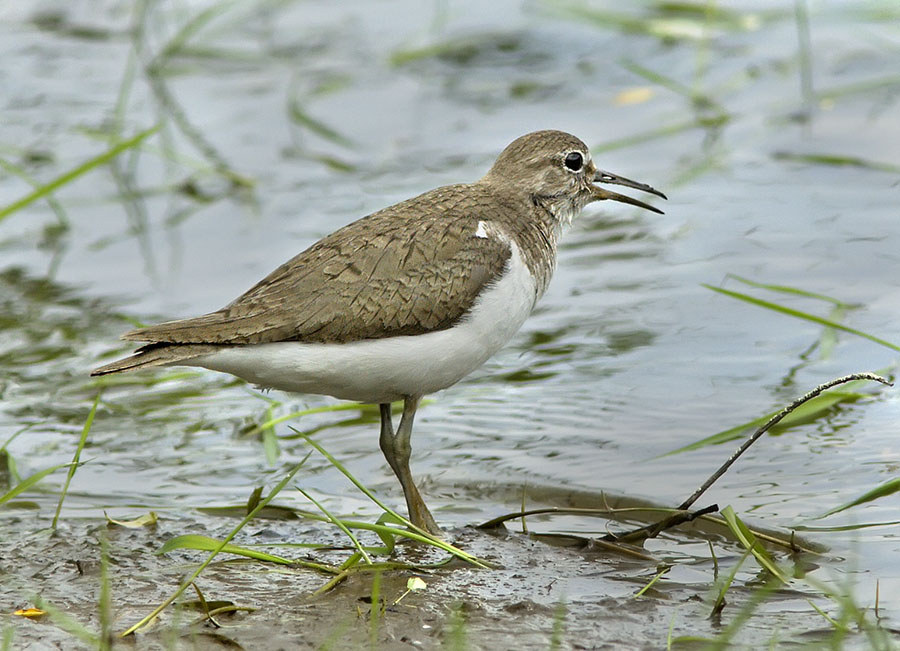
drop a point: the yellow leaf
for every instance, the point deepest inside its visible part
(415, 583)
(637, 95)
(31, 613)
(146, 520)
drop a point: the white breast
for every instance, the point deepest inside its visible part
(384, 370)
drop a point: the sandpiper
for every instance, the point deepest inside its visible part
(405, 301)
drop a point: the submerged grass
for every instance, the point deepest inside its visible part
(807, 412)
(415, 533)
(270, 423)
(215, 552)
(155, 73)
(725, 584)
(68, 623)
(375, 610)
(76, 459)
(558, 632)
(53, 202)
(821, 404)
(205, 543)
(658, 133)
(659, 574)
(811, 411)
(693, 95)
(29, 482)
(300, 116)
(743, 534)
(669, 21)
(889, 487)
(838, 160)
(782, 309)
(340, 525)
(387, 533)
(104, 605)
(793, 291)
(853, 619)
(818, 406)
(76, 172)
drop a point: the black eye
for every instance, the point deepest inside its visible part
(574, 161)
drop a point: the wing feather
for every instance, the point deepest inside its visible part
(377, 277)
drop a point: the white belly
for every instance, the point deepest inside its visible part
(384, 370)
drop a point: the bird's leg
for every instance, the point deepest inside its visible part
(386, 440)
(397, 449)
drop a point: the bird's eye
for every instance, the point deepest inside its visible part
(574, 161)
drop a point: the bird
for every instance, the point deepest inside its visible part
(405, 301)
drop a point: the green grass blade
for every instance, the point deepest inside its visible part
(340, 525)
(419, 534)
(749, 541)
(557, 633)
(55, 206)
(69, 624)
(723, 641)
(839, 625)
(25, 484)
(838, 160)
(301, 117)
(15, 435)
(337, 464)
(104, 603)
(669, 20)
(719, 603)
(387, 537)
(270, 446)
(801, 315)
(9, 473)
(829, 338)
(794, 291)
(673, 85)
(805, 413)
(856, 526)
(207, 544)
(272, 422)
(191, 28)
(75, 460)
(222, 544)
(657, 577)
(858, 87)
(887, 488)
(655, 133)
(73, 174)
(375, 610)
(386, 531)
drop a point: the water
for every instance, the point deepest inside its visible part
(627, 357)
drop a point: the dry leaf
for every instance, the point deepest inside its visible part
(146, 520)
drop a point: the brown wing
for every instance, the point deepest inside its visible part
(412, 268)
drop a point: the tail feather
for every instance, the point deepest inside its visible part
(156, 355)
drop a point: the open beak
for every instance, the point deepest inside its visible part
(605, 177)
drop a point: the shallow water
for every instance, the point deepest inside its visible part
(332, 110)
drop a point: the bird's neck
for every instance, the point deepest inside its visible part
(537, 237)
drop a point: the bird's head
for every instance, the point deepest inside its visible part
(557, 170)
